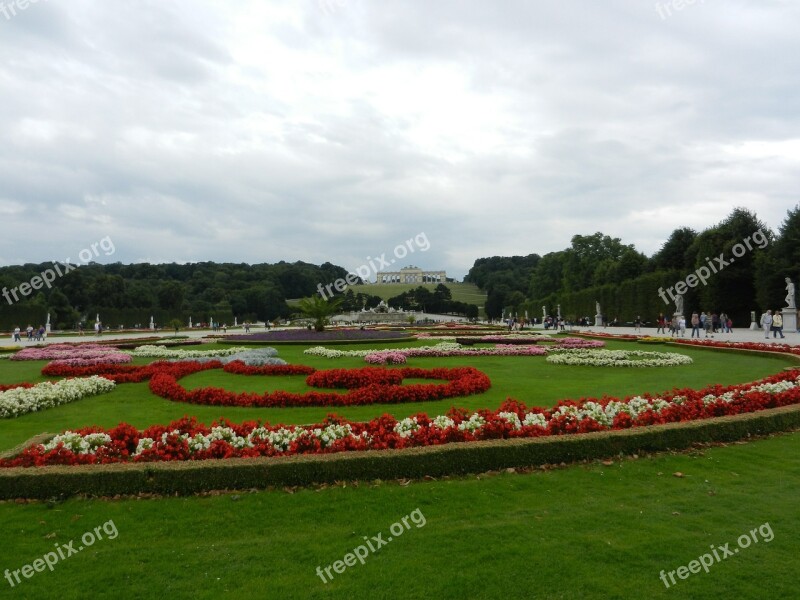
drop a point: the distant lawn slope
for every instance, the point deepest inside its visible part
(462, 292)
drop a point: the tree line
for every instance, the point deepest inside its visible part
(627, 283)
(130, 294)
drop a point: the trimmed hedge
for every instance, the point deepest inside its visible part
(450, 459)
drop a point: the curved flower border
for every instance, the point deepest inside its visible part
(188, 440)
(370, 385)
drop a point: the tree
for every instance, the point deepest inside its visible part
(673, 253)
(317, 308)
(176, 324)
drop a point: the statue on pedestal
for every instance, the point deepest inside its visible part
(679, 304)
(544, 313)
(597, 308)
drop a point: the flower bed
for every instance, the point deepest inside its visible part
(188, 440)
(757, 346)
(24, 399)
(619, 358)
(442, 349)
(369, 385)
(74, 354)
(164, 352)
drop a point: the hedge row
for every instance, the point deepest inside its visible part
(450, 459)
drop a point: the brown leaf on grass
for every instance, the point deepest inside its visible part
(678, 474)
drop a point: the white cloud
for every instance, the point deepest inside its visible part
(334, 130)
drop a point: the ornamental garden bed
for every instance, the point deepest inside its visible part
(192, 477)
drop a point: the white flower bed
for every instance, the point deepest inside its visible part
(618, 358)
(19, 401)
(161, 352)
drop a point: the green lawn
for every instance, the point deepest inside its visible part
(461, 292)
(586, 531)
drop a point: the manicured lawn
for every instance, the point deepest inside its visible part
(590, 531)
(586, 531)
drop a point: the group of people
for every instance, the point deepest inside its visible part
(37, 335)
(772, 322)
(710, 323)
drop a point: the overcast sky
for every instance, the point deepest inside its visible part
(334, 130)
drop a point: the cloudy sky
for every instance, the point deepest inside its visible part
(334, 130)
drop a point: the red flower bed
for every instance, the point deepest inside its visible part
(188, 440)
(237, 367)
(4, 388)
(759, 346)
(369, 385)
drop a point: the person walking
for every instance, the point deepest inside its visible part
(695, 324)
(766, 323)
(777, 325)
(662, 322)
(638, 323)
(16, 335)
(682, 325)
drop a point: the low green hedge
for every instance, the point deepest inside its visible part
(450, 459)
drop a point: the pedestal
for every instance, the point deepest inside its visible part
(753, 324)
(598, 320)
(789, 319)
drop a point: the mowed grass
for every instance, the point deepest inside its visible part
(461, 292)
(587, 531)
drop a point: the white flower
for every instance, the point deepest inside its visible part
(442, 422)
(406, 427)
(512, 418)
(18, 401)
(533, 418)
(474, 423)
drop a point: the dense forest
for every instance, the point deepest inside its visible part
(745, 260)
(130, 294)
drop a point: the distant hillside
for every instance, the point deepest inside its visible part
(462, 292)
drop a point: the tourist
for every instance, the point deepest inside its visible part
(674, 325)
(661, 322)
(16, 335)
(777, 325)
(766, 323)
(638, 323)
(41, 334)
(695, 324)
(29, 331)
(682, 325)
(709, 325)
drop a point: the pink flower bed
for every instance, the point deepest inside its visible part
(74, 354)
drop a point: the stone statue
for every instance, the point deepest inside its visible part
(597, 308)
(679, 304)
(544, 313)
(559, 311)
(789, 294)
